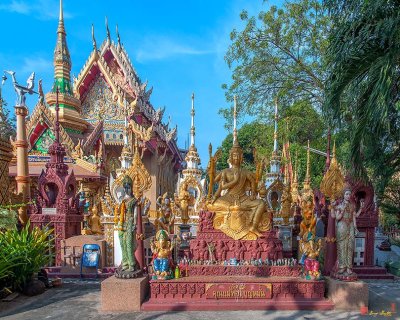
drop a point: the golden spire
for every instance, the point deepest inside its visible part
(275, 152)
(192, 128)
(307, 178)
(192, 157)
(294, 187)
(61, 28)
(62, 59)
(234, 121)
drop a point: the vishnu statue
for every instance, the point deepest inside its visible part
(125, 219)
(346, 229)
(162, 248)
(238, 212)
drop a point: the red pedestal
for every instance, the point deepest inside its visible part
(267, 247)
(236, 293)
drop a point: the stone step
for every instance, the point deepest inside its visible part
(232, 305)
(369, 270)
(387, 276)
(372, 273)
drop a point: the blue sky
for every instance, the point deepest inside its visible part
(178, 46)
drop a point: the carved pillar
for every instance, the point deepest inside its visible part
(330, 246)
(22, 177)
(108, 224)
(5, 158)
(369, 246)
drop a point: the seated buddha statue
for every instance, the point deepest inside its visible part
(94, 221)
(238, 212)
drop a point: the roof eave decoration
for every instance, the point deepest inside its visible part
(42, 112)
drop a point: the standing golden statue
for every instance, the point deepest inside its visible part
(211, 169)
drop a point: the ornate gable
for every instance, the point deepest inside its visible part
(99, 102)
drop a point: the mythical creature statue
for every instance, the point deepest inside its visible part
(162, 248)
(346, 229)
(238, 214)
(21, 90)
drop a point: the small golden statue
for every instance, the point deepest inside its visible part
(181, 202)
(94, 221)
(162, 248)
(238, 214)
(307, 202)
(211, 169)
(286, 201)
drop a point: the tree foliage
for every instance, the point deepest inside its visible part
(279, 54)
(390, 204)
(363, 60)
(298, 124)
(7, 127)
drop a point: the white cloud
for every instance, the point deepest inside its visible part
(159, 48)
(37, 64)
(41, 9)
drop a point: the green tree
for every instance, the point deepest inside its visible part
(7, 128)
(390, 204)
(298, 124)
(362, 95)
(279, 55)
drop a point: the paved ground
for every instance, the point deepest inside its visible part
(81, 299)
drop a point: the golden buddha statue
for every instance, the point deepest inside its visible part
(94, 221)
(238, 213)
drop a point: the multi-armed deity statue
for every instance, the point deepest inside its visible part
(238, 212)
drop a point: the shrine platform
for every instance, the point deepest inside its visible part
(196, 293)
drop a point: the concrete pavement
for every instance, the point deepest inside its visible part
(81, 300)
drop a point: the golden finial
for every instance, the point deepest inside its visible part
(307, 178)
(94, 39)
(108, 30)
(118, 37)
(234, 121)
(61, 28)
(333, 182)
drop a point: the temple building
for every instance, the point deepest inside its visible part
(94, 109)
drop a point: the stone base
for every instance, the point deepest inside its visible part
(124, 295)
(349, 296)
(236, 293)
